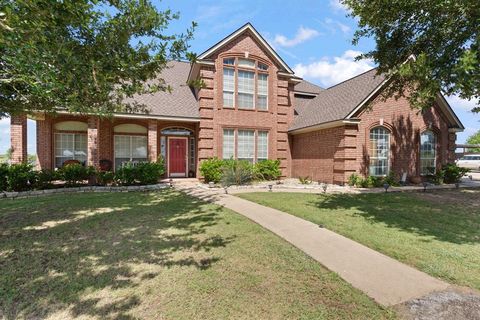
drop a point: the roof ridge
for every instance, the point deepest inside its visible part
(358, 75)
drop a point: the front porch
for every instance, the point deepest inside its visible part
(109, 143)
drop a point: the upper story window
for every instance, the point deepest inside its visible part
(427, 153)
(379, 151)
(245, 84)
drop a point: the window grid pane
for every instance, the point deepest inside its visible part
(228, 144)
(228, 87)
(246, 63)
(129, 148)
(262, 145)
(379, 151)
(246, 145)
(262, 91)
(70, 146)
(427, 153)
(246, 89)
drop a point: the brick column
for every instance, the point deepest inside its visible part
(45, 152)
(452, 138)
(152, 140)
(18, 138)
(92, 136)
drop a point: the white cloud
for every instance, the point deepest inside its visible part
(337, 6)
(334, 26)
(303, 34)
(329, 71)
(457, 103)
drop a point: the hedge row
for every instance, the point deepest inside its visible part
(22, 177)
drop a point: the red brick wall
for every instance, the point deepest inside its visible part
(214, 118)
(18, 138)
(405, 125)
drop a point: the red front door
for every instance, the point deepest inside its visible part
(177, 157)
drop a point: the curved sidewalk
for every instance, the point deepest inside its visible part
(384, 279)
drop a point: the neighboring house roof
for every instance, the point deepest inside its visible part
(180, 102)
(246, 27)
(338, 101)
(307, 87)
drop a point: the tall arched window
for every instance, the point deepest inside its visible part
(427, 153)
(379, 151)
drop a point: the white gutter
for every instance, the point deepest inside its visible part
(140, 116)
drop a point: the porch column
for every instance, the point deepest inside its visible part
(92, 136)
(45, 152)
(452, 139)
(18, 138)
(152, 140)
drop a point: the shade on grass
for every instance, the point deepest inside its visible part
(436, 232)
(158, 255)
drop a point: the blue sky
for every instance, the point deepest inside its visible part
(313, 37)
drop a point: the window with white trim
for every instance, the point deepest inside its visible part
(427, 153)
(246, 145)
(262, 95)
(246, 89)
(228, 148)
(262, 145)
(70, 146)
(379, 151)
(129, 148)
(228, 87)
(245, 84)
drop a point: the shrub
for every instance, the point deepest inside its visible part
(3, 176)
(453, 173)
(149, 172)
(45, 178)
(105, 177)
(236, 172)
(268, 170)
(74, 173)
(126, 174)
(354, 180)
(21, 177)
(305, 180)
(211, 169)
(391, 179)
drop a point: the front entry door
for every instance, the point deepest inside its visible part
(177, 157)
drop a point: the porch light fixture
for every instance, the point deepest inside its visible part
(270, 186)
(386, 186)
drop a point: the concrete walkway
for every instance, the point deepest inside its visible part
(384, 279)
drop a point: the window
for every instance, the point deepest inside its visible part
(245, 84)
(130, 149)
(379, 151)
(262, 94)
(262, 145)
(228, 87)
(246, 145)
(228, 144)
(246, 89)
(70, 146)
(427, 153)
(192, 153)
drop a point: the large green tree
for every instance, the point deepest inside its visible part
(474, 139)
(85, 56)
(442, 35)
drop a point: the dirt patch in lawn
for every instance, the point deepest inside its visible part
(462, 197)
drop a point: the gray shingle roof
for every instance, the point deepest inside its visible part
(181, 102)
(308, 87)
(336, 102)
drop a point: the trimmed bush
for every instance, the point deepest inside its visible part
(21, 177)
(267, 169)
(3, 176)
(211, 169)
(45, 179)
(126, 174)
(453, 173)
(140, 173)
(73, 174)
(105, 177)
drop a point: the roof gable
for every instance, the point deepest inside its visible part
(246, 28)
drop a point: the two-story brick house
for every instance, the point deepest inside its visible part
(253, 107)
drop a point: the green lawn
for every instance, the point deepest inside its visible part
(158, 255)
(436, 232)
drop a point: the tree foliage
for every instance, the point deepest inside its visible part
(442, 35)
(86, 56)
(474, 139)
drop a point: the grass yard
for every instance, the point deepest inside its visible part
(436, 232)
(158, 256)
